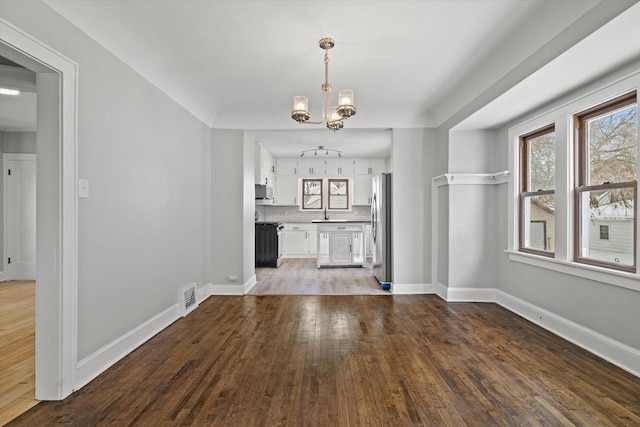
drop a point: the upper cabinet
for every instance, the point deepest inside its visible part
(287, 166)
(264, 166)
(370, 166)
(311, 166)
(339, 166)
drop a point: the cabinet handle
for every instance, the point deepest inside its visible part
(296, 228)
(306, 234)
(341, 228)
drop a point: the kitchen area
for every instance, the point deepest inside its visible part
(322, 221)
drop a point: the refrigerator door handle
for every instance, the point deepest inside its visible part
(374, 219)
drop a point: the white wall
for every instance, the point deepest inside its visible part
(232, 200)
(413, 165)
(140, 233)
(471, 152)
(19, 142)
(472, 212)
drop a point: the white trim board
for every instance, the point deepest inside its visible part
(411, 288)
(101, 360)
(56, 303)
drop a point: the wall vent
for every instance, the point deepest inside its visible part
(188, 299)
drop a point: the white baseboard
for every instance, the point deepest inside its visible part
(249, 284)
(93, 365)
(470, 295)
(1, 276)
(441, 290)
(227, 289)
(411, 288)
(204, 292)
(619, 354)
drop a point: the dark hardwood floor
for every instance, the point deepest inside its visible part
(351, 361)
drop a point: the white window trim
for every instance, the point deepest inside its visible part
(563, 117)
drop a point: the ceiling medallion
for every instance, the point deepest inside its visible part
(333, 117)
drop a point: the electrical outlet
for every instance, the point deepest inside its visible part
(233, 278)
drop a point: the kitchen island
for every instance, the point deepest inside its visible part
(341, 243)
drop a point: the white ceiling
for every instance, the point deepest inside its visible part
(18, 113)
(238, 64)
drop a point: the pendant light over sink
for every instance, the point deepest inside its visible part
(333, 117)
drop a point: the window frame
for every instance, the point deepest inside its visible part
(581, 168)
(321, 181)
(526, 192)
(346, 181)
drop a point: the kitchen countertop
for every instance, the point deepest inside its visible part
(338, 221)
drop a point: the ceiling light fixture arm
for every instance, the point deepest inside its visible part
(333, 117)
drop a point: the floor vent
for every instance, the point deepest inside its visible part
(188, 299)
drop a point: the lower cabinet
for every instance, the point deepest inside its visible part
(340, 248)
(341, 245)
(300, 240)
(368, 241)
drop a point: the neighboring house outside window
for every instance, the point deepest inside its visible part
(606, 188)
(311, 194)
(537, 191)
(338, 194)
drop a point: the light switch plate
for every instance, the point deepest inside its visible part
(83, 188)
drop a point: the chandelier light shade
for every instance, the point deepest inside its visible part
(332, 117)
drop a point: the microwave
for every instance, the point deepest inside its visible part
(264, 192)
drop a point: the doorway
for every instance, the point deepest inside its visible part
(56, 210)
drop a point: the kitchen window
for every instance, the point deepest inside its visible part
(537, 192)
(606, 191)
(338, 194)
(311, 194)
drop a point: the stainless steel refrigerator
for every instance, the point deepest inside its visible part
(381, 229)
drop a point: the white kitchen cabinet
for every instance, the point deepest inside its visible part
(286, 166)
(287, 190)
(362, 189)
(368, 241)
(264, 166)
(370, 166)
(340, 244)
(311, 167)
(340, 248)
(339, 166)
(300, 240)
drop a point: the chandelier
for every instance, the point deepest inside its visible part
(333, 117)
(321, 148)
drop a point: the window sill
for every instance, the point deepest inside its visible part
(604, 275)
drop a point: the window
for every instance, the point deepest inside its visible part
(607, 138)
(311, 194)
(537, 192)
(338, 194)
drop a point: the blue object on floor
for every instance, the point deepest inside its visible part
(385, 286)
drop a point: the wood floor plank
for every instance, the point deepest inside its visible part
(17, 348)
(351, 361)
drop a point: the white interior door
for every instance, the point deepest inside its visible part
(20, 216)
